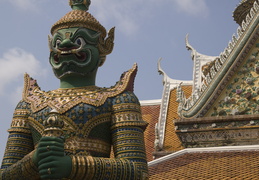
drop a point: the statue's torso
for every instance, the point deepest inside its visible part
(88, 114)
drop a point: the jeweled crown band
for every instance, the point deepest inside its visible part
(78, 18)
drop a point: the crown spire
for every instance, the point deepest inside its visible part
(80, 4)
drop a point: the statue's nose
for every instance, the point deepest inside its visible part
(68, 44)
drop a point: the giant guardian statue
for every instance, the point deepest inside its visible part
(69, 133)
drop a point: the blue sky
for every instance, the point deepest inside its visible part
(145, 31)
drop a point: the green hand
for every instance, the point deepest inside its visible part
(50, 158)
(55, 167)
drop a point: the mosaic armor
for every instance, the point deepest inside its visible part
(95, 119)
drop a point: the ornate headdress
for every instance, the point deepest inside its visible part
(79, 17)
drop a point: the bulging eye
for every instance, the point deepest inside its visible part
(57, 43)
(80, 41)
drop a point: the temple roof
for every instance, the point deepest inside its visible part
(168, 112)
(217, 111)
(208, 163)
(150, 113)
(171, 142)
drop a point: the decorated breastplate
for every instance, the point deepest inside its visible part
(64, 99)
(86, 113)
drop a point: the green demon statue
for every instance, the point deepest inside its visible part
(68, 133)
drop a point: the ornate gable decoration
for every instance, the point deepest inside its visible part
(241, 95)
(221, 70)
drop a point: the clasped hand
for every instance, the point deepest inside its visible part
(51, 160)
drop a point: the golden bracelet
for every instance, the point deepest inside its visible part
(90, 167)
(74, 167)
(79, 168)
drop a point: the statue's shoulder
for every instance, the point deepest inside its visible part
(64, 99)
(32, 93)
(30, 87)
(127, 111)
(126, 83)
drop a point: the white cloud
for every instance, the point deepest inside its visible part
(193, 7)
(125, 14)
(128, 15)
(14, 63)
(25, 4)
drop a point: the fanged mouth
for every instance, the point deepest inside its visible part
(72, 51)
(81, 56)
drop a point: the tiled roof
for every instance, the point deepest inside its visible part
(150, 114)
(238, 165)
(172, 142)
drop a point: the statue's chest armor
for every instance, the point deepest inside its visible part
(86, 128)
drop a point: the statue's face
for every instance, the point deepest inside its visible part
(74, 52)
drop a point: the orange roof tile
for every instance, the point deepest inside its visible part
(172, 142)
(208, 165)
(150, 114)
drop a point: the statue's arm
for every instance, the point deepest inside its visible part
(128, 143)
(17, 161)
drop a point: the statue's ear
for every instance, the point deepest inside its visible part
(105, 46)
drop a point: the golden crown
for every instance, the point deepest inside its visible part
(79, 17)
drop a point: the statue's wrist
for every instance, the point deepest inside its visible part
(80, 167)
(73, 168)
(34, 158)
